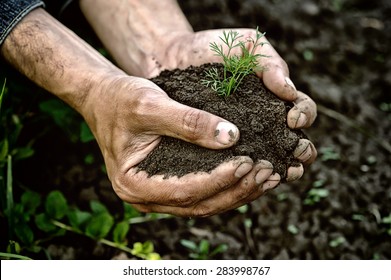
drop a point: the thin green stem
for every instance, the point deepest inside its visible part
(104, 241)
(13, 256)
(2, 93)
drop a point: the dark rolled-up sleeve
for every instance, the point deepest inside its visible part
(12, 11)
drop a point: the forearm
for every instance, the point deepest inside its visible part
(55, 58)
(137, 33)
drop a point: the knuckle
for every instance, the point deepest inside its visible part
(182, 199)
(194, 123)
(203, 211)
(244, 191)
(145, 103)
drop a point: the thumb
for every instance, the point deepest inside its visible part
(195, 126)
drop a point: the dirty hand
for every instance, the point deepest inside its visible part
(191, 48)
(128, 115)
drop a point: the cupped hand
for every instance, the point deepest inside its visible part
(128, 115)
(189, 48)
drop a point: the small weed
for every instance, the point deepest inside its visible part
(316, 193)
(53, 216)
(145, 251)
(293, 229)
(336, 242)
(2, 93)
(308, 55)
(387, 222)
(282, 196)
(358, 217)
(202, 251)
(328, 153)
(236, 66)
(243, 209)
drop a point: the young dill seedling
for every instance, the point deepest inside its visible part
(236, 66)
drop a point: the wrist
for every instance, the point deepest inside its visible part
(140, 33)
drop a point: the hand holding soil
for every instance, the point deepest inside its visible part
(147, 113)
(135, 114)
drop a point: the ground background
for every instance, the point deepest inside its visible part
(338, 52)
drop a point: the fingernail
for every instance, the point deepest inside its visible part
(302, 120)
(226, 133)
(262, 175)
(243, 169)
(266, 169)
(290, 83)
(273, 181)
(301, 148)
(294, 173)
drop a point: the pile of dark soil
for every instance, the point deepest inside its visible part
(258, 113)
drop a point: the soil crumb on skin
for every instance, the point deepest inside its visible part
(258, 113)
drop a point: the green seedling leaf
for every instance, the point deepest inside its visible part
(148, 247)
(337, 242)
(99, 225)
(98, 207)
(89, 159)
(24, 232)
(60, 112)
(329, 153)
(130, 212)
(153, 256)
(243, 209)
(78, 219)
(63, 116)
(23, 153)
(3, 149)
(387, 220)
(145, 251)
(137, 248)
(248, 223)
(2, 93)
(293, 229)
(30, 201)
(44, 223)
(219, 249)
(56, 205)
(9, 192)
(85, 133)
(120, 231)
(204, 246)
(8, 256)
(13, 247)
(189, 244)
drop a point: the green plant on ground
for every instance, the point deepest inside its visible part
(338, 241)
(32, 219)
(202, 251)
(54, 217)
(329, 153)
(316, 193)
(236, 66)
(387, 222)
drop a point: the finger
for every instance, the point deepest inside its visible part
(275, 73)
(230, 198)
(294, 173)
(305, 151)
(303, 114)
(137, 187)
(174, 119)
(270, 183)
